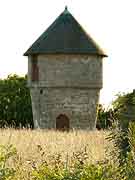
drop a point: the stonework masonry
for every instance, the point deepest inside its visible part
(69, 85)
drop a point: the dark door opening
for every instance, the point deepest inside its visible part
(62, 122)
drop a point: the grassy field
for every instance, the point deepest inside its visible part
(38, 146)
(29, 143)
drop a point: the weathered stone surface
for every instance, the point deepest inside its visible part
(69, 85)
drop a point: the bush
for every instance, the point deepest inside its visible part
(15, 102)
(124, 108)
(125, 143)
(105, 117)
(6, 152)
(85, 172)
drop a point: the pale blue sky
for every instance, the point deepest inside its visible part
(110, 22)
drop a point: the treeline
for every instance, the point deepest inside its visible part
(122, 111)
(15, 102)
(16, 109)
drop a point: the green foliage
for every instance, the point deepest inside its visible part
(124, 154)
(130, 161)
(85, 172)
(119, 137)
(105, 117)
(80, 169)
(124, 108)
(15, 102)
(124, 114)
(131, 135)
(6, 152)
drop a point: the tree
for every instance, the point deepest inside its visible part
(105, 117)
(15, 102)
(124, 108)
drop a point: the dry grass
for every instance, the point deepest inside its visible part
(32, 144)
(40, 146)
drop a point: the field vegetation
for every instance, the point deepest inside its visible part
(30, 143)
(28, 150)
(77, 155)
(27, 154)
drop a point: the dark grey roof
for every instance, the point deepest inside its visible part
(65, 36)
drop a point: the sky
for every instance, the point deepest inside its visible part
(111, 23)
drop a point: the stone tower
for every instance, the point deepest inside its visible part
(65, 76)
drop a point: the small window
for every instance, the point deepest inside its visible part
(34, 69)
(41, 91)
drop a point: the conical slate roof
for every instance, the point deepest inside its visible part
(65, 36)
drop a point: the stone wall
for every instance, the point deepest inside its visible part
(67, 85)
(79, 105)
(69, 71)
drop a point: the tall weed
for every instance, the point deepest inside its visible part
(6, 153)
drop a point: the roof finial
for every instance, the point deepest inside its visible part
(66, 10)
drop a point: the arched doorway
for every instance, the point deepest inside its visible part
(62, 122)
